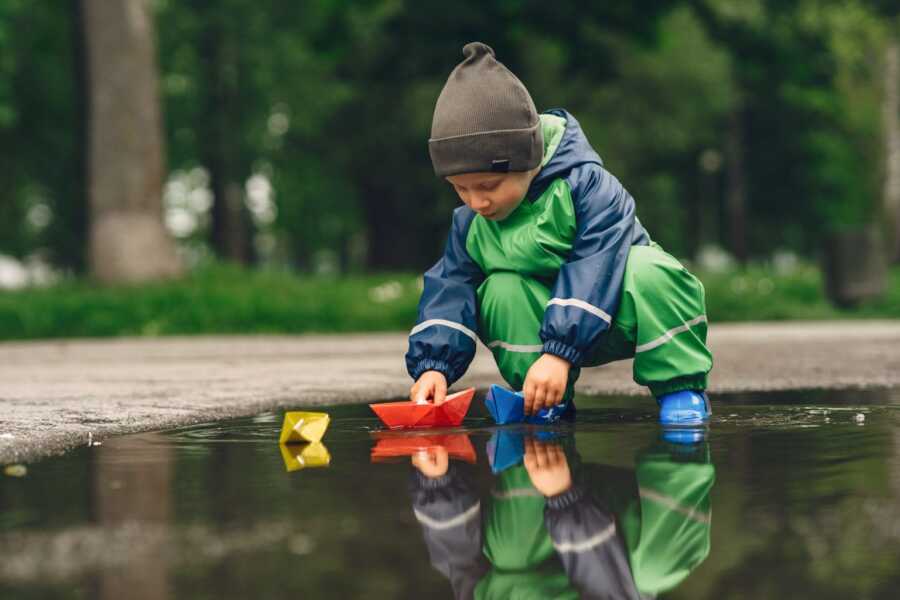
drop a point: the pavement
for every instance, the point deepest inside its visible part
(56, 395)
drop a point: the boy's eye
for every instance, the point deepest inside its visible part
(490, 186)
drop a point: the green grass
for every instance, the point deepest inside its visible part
(226, 299)
(758, 294)
(220, 299)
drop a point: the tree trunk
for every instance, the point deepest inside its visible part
(128, 241)
(231, 228)
(736, 188)
(129, 493)
(891, 120)
(76, 208)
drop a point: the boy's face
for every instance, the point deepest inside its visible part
(494, 196)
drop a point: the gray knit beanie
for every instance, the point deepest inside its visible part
(484, 119)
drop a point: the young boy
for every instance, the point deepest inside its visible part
(547, 263)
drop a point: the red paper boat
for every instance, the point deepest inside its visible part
(457, 446)
(411, 414)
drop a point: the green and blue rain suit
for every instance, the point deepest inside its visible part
(617, 533)
(571, 272)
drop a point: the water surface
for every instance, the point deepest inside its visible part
(786, 495)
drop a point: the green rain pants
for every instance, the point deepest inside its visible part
(661, 323)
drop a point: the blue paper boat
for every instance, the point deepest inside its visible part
(507, 406)
(506, 447)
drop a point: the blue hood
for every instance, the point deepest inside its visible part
(573, 150)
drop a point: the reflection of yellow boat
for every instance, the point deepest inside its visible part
(303, 427)
(304, 456)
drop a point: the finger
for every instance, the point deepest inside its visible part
(529, 397)
(554, 397)
(554, 454)
(541, 457)
(440, 391)
(529, 460)
(540, 396)
(529, 446)
(424, 392)
(413, 391)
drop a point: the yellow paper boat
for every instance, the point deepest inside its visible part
(300, 427)
(304, 456)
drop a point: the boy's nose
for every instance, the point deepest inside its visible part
(478, 203)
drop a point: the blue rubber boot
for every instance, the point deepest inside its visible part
(687, 407)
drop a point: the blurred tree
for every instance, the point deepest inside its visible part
(398, 60)
(42, 196)
(752, 124)
(805, 116)
(127, 239)
(222, 75)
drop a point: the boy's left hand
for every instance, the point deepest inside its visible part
(545, 382)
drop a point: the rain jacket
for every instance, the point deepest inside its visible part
(616, 533)
(579, 242)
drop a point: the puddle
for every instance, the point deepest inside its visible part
(788, 495)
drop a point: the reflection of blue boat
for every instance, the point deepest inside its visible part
(507, 406)
(614, 533)
(506, 448)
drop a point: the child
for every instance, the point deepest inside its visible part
(551, 530)
(547, 263)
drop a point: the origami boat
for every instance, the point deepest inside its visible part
(389, 446)
(301, 427)
(304, 456)
(506, 447)
(507, 407)
(451, 413)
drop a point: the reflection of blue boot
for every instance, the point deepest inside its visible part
(507, 406)
(684, 435)
(686, 407)
(505, 449)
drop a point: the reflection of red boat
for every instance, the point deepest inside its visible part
(457, 446)
(411, 414)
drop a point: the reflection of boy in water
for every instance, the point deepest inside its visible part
(606, 533)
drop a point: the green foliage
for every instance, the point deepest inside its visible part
(332, 101)
(226, 299)
(41, 185)
(219, 299)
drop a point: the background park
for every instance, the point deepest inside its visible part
(269, 164)
(215, 211)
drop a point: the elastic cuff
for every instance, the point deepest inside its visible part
(561, 350)
(430, 364)
(421, 482)
(566, 499)
(691, 382)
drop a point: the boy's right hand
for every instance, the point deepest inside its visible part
(431, 384)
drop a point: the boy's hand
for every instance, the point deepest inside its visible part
(545, 382)
(433, 462)
(547, 467)
(431, 384)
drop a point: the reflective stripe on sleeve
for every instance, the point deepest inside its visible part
(597, 312)
(451, 324)
(516, 347)
(456, 521)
